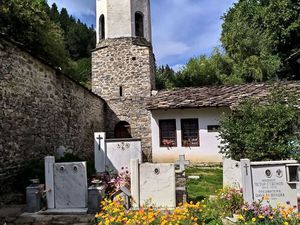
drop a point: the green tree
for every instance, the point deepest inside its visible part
(80, 70)
(27, 21)
(205, 70)
(54, 14)
(164, 77)
(262, 131)
(259, 35)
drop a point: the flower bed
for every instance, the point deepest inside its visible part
(256, 213)
(226, 203)
(114, 213)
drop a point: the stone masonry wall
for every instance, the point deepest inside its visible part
(127, 64)
(40, 110)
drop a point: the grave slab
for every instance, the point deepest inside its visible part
(134, 184)
(114, 155)
(272, 181)
(157, 185)
(232, 176)
(49, 181)
(277, 181)
(70, 211)
(70, 185)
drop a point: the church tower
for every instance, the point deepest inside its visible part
(123, 68)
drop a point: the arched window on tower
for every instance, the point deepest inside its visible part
(139, 24)
(101, 27)
(122, 130)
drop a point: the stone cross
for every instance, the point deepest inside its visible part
(182, 163)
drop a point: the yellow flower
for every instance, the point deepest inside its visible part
(240, 217)
(253, 219)
(286, 223)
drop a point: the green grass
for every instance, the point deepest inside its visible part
(211, 179)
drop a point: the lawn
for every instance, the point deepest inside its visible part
(211, 179)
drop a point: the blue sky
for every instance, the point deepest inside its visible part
(181, 29)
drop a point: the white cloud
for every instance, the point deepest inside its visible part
(77, 7)
(170, 48)
(181, 28)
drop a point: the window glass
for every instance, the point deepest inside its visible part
(167, 131)
(190, 132)
(213, 128)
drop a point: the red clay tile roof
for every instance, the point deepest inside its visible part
(217, 96)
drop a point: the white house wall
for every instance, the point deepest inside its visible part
(209, 142)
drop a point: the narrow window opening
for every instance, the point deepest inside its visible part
(139, 24)
(121, 91)
(102, 27)
(213, 128)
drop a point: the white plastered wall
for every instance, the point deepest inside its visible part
(207, 152)
(142, 6)
(120, 17)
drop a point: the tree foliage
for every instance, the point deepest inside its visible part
(262, 131)
(257, 38)
(50, 34)
(259, 35)
(27, 22)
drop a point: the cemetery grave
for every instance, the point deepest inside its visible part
(159, 192)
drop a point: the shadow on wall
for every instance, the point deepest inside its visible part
(116, 128)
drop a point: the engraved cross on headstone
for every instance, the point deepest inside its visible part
(246, 167)
(182, 163)
(99, 144)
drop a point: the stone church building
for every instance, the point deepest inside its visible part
(169, 123)
(123, 68)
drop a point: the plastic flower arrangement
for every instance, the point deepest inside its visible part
(114, 213)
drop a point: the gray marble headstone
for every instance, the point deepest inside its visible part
(271, 180)
(70, 185)
(157, 185)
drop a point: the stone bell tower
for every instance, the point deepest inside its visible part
(123, 68)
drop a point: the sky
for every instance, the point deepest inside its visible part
(181, 29)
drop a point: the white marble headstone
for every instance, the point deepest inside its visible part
(114, 155)
(157, 185)
(232, 174)
(70, 185)
(119, 154)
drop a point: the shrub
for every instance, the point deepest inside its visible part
(262, 131)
